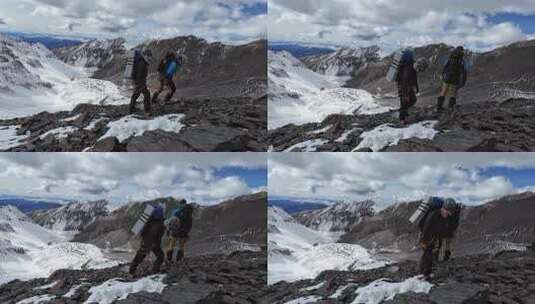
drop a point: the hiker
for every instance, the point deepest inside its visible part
(167, 68)
(140, 73)
(438, 225)
(454, 76)
(151, 238)
(407, 80)
(178, 228)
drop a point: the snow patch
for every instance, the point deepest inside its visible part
(305, 300)
(46, 286)
(37, 299)
(129, 126)
(311, 288)
(73, 290)
(307, 146)
(9, 137)
(114, 289)
(381, 290)
(386, 135)
(59, 133)
(298, 95)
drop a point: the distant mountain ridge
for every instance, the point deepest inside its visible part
(29, 205)
(292, 206)
(299, 51)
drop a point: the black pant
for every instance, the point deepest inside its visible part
(407, 99)
(164, 81)
(146, 247)
(142, 89)
(426, 262)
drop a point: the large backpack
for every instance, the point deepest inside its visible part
(158, 214)
(434, 203)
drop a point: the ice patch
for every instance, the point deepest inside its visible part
(381, 290)
(344, 136)
(9, 138)
(59, 133)
(385, 135)
(129, 126)
(37, 299)
(114, 289)
(305, 300)
(341, 290)
(307, 146)
(320, 130)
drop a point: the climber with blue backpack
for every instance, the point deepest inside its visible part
(151, 238)
(454, 75)
(167, 69)
(407, 80)
(178, 228)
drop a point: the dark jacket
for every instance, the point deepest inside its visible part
(153, 231)
(454, 72)
(407, 79)
(436, 226)
(141, 71)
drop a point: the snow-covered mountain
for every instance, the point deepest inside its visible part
(28, 250)
(297, 252)
(92, 54)
(299, 95)
(75, 216)
(343, 62)
(33, 79)
(337, 217)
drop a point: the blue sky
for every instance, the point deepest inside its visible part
(518, 177)
(525, 22)
(255, 178)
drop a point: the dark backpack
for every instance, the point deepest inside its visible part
(434, 204)
(137, 58)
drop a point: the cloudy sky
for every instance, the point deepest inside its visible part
(205, 178)
(387, 178)
(232, 21)
(478, 24)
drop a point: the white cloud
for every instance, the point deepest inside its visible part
(123, 177)
(391, 23)
(136, 20)
(392, 177)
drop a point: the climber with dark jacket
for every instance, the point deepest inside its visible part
(151, 238)
(140, 73)
(439, 225)
(454, 76)
(407, 81)
(167, 69)
(178, 229)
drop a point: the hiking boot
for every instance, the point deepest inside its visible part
(403, 123)
(148, 115)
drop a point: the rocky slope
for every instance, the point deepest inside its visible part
(502, 224)
(217, 124)
(211, 69)
(506, 277)
(343, 62)
(490, 126)
(92, 54)
(75, 216)
(236, 278)
(226, 227)
(509, 64)
(337, 217)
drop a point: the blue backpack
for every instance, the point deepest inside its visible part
(157, 213)
(172, 67)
